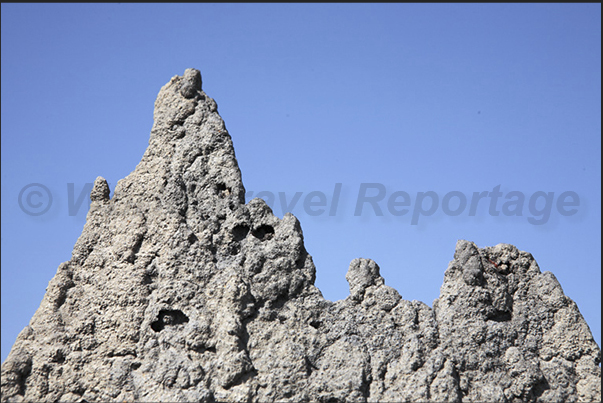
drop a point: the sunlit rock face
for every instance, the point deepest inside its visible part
(178, 291)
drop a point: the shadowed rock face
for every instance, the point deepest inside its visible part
(179, 291)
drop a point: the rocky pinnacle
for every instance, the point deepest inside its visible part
(178, 291)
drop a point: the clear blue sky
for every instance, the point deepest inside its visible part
(418, 98)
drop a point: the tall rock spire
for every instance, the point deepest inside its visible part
(179, 291)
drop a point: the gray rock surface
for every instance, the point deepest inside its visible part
(179, 291)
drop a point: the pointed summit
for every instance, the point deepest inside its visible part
(178, 291)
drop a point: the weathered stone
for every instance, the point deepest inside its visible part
(100, 191)
(179, 291)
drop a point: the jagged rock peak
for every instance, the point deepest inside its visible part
(179, 291)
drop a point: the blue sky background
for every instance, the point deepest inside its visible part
(415, 97)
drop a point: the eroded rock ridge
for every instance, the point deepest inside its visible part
(178, 291)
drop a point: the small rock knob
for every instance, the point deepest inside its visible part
(100, 191)
(362, 273)
(467, 256)
(191, 83)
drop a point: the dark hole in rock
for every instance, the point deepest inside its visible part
(263, 232)
(499, 316)
(235, 249)
(168, 317)
(59, 357)
(223, 190)
(213, 251)
(541, 387)
(239, 232)
(193, 188)
(208, 150)
(315, 324)
(192, 238)
(202, 349)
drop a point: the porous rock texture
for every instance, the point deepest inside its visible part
(179, 291)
